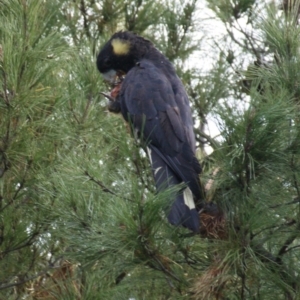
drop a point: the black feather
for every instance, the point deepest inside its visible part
(153, 98)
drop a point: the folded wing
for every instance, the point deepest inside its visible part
(158, 108)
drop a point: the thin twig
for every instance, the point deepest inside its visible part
(286, 244)
(29, 242)
(83, 10)
(88, 104)
(99, 183)
(292, 248)
(213, 143)
(109, 97)
(103, 187)
(248, 38)
(50, 267)
(280, 226)
(296, 200)
(276, 267)
(20, 186)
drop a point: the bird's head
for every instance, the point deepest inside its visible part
(120, 54)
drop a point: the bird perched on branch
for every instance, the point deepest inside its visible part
(152, 98)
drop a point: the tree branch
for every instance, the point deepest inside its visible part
(103, 187)
(82, 8)
(25, 280)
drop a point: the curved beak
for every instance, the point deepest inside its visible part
(110, 76)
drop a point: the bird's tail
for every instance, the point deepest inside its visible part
(182, 211)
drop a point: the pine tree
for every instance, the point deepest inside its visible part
(79, 214)
(31, 94)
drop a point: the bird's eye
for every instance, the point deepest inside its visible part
(107, 62)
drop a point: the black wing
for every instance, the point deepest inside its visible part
(158, 108)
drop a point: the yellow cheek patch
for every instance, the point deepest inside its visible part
(120, 47)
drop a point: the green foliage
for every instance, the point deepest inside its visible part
(79, 214)
(228, 10)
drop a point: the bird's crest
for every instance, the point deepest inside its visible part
(120, 47)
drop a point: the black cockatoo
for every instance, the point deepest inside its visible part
(152, 98)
